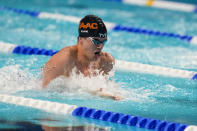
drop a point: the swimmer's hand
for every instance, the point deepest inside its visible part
(106, 63)
(117, 98)
(102, 93)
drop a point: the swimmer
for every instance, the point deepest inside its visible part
(87, 52)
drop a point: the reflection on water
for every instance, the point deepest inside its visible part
(73, 128)
(28, 126)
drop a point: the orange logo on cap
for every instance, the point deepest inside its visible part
(88, 25)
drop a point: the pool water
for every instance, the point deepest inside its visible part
(152, 96)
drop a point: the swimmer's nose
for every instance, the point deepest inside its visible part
(100, 46)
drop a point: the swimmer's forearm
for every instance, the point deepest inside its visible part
(44, 84)
(107, 95)
(101, 93)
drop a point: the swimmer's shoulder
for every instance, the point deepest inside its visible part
(69, 50)
(65, 55)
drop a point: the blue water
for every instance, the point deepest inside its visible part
(153, 96)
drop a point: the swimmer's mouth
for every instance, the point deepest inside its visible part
(97, 53)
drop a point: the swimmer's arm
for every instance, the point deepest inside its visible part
(50, 72)
(102, 93)
(55, 67)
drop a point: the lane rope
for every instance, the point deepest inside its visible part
(120, 65)
(109, 25)
(101, 115)
(170, 5)
(150, 2)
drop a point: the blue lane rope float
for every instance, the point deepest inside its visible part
(20, 11)
(101, 115)
(160, 4)
(194, 77)
(130, 120)
(26, 50)
(110, 26)
(151, 32)
(195, 9)
(120, 65)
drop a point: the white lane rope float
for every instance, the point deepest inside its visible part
(120, 65)
(101, 115)
(170, 5)
(109, 25)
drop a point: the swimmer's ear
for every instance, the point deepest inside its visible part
(78, 39)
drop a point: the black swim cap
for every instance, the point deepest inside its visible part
(92, 26)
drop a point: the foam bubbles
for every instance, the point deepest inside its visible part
(78, 84)
(83, 87)
(14, 79)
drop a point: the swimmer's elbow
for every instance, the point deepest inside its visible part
(45, 83)
(46, 80)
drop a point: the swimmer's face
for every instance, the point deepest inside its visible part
(93, 46)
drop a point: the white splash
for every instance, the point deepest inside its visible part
(14, 79)
(79, 84)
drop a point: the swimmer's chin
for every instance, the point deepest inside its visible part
(97, 54)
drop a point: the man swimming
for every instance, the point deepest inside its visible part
(86, 56)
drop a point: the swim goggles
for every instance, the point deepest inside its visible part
(97, 41)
